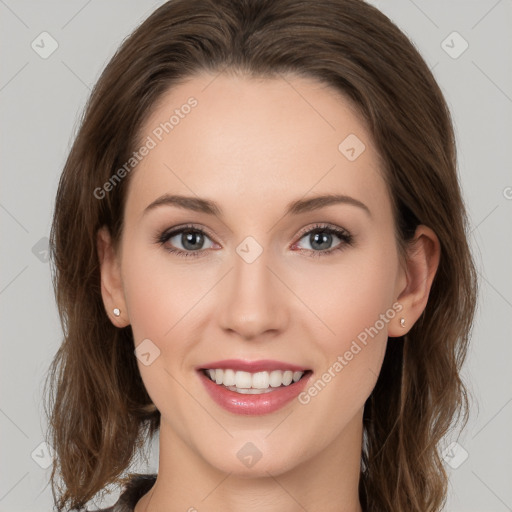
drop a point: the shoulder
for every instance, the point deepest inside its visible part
(133, 489)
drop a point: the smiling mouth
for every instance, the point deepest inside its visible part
(254, 383)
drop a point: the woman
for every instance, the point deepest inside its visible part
(260, 251)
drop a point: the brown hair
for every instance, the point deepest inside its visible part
(100, 411)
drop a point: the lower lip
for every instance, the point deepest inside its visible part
(264, 403)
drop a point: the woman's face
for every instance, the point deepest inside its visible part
(254, 281)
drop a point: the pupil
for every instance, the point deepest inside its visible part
(192, 240)
(326, 237)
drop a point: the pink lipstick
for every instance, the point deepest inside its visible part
(253, 387)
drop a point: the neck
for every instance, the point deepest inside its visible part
(326, 482)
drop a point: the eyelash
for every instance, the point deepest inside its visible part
(345, 237)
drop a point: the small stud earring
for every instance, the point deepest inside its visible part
(117, 311)
(402, 322)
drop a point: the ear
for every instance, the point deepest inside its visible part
(416, 279)
(111, 281)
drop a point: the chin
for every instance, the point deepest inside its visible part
(253, 459)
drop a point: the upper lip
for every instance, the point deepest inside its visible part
(251, 366)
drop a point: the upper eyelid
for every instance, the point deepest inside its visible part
(322, 225)
(178, 229)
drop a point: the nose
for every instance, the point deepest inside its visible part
(253, 301)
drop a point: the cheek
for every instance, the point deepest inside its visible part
(356, 305)
(159, 293)
(160, 298)
(352, 296)
(166, 304)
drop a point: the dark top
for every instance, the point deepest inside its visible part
(132, 492)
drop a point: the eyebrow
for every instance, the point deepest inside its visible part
(209, 207)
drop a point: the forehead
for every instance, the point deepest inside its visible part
(261, 141)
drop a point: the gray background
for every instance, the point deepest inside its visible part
(40, 101)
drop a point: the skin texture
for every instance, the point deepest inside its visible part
(253, 146)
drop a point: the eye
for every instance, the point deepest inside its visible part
(190, 238)
(320, 238)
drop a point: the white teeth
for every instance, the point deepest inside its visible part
(287, 378)
(229, 378)
(253, 383)
(276, 378)
(242, 380)
(260, 380)
(249, 391)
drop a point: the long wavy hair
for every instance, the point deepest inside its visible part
(99, 413)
